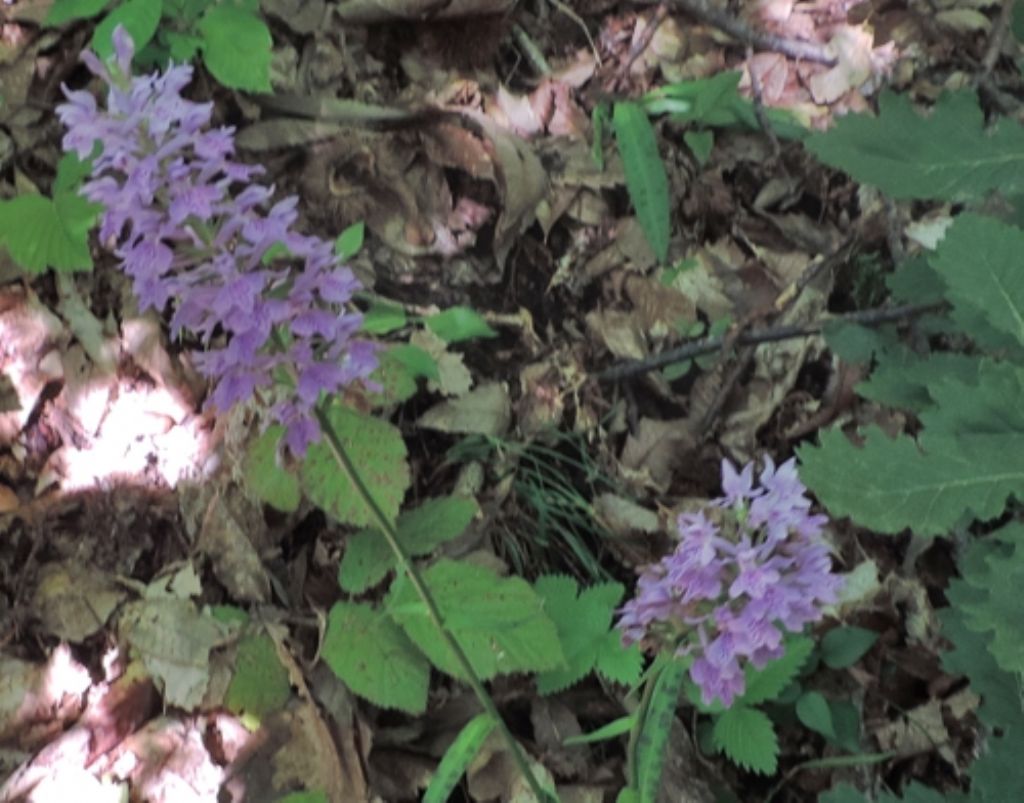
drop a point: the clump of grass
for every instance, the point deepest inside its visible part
(550, 523)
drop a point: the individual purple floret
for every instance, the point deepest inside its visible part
(730, 589)
(186, 221)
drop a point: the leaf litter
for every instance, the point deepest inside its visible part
(484, 193)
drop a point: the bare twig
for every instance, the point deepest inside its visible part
(759, 40)
(995, 39)
(759, 112)
(642, 43)
(698, 348)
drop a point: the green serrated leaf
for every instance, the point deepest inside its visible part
(971, 655)
(646, 180)
(948, 155)
(304, 797)
(420, 531)
(498, 621)
(767, 683)
(584, 627)
(979, 260)
(374, 658)
(67, 10)
(459, 323)
(994, 571)
(266, 477)
(891, 484)
(844, 646)
(40, 232)
(236, 48)
(748, 738)
(457, 758)
(377, 451)
(259, 684)
(656, 729)
(140, 19)
(617, 663)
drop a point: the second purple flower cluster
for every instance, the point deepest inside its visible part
(186, 223)
(756, 566)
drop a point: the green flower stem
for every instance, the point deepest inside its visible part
(391, 536)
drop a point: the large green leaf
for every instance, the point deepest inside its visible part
(645, 173)
(420, 530)
(980, 261)
(891, 484)
(498, 621)
(374, 658)
(41, 232)
(236, 48)
(948, 155)
(377, 451)
(767, 683)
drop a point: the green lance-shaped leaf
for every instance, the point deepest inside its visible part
(377, 451)
(645, 173)
(649, 761)
(948, 155)
(458, 757)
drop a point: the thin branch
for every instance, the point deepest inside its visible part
(996, 38)
(698, 348)
(759, 40)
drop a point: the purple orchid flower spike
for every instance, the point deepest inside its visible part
(187, 225)
(730, 589)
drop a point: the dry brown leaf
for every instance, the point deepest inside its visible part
(73, 601)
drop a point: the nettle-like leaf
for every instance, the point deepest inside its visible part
(584, 628)
(374, 658)
(645, 174)
(989, 595)
(236, 47)
(747, 736)
(979, 260)
(499, 622)
(368, 558)
(377, 451)
(40, 232)
(947, 155)
(266, 477)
